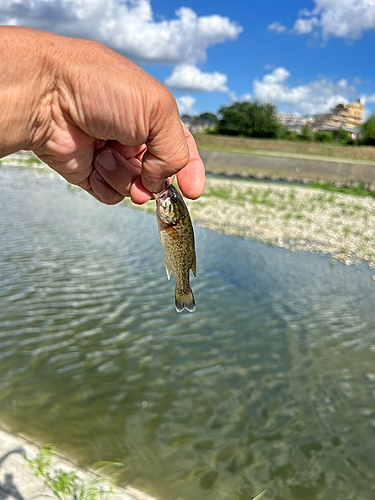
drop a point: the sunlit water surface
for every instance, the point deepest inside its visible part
(269, 385)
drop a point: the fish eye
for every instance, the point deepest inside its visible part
(173, 200)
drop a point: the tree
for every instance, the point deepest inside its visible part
(208, 117)
(368, 130)
(248, 119)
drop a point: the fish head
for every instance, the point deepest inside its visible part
(170, 206)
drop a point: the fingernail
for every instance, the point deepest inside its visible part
(106, 160)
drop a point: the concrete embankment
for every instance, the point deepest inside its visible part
(18, 482)
(296, 168)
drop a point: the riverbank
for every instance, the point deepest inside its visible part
(298, 218)
(18, 481)
(293, 217)
(301, 169)
(291, 161)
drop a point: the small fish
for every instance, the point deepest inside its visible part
(177, 239)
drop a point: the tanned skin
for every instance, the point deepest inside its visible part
(93, 116)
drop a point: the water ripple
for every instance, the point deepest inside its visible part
(269, 385)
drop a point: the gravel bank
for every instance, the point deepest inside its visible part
(292, 217)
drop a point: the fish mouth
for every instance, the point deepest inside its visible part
(163, 195)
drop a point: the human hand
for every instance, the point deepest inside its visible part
(118, 169)
(94, 117)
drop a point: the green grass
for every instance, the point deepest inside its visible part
(357, 191)
(68, 485)
(219, 192)
(32, 160)
(248, 145)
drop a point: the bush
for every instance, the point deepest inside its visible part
(341, 135)
(288, 135)
(323, 136)
(306, 134)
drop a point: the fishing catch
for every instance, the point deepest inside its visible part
(177, 239)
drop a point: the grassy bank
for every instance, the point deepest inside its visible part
(269, 146)
(292, 217)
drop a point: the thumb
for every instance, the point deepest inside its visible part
(167, 149)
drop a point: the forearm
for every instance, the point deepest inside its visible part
(26, 86)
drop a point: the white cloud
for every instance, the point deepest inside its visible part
(369, 98)
(187, 77)
(185, 104)
(127, 26)
(340, 18)
(276, 26)
(305, 26)
(246, 97)
(232, 97)
(317, 96)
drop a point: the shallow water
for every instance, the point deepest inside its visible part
(269, 385)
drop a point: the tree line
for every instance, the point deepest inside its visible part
(253, 119)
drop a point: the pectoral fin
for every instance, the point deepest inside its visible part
(172, 233)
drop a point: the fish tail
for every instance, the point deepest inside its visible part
(184, 299)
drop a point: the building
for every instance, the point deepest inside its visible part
(348, 116)
(196, 124)
(291, 121)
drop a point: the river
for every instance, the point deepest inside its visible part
(270, 385)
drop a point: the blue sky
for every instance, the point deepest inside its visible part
(303, 56)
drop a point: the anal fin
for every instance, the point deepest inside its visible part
(194, 265)
(168, 269)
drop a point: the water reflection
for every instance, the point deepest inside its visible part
(270, 384)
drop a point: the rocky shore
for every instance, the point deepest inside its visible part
(290, 216)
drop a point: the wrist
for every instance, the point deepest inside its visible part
(27, 83)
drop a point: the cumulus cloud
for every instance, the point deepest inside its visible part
(185, 104)
(233, 97)
(187, 77)
(317, 96)
(276, 26)
(305, 26)
(340, 18)
(127, 26)
(369, 98)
